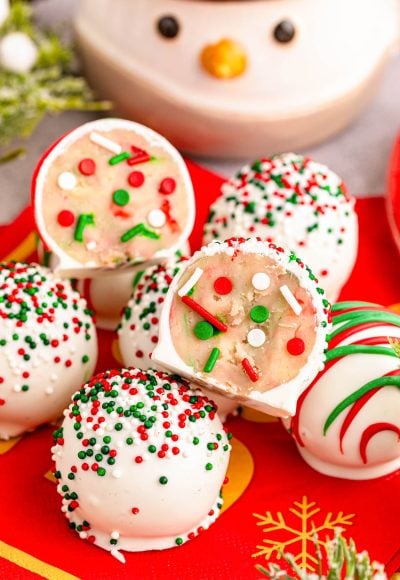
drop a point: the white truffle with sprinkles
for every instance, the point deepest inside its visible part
(294, 202)
(140, 460)
(48, 346)
(140, 324)
(347, 422)
(226, 328)
(111, 194)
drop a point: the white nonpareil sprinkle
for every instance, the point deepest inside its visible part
(194, 278)
(156, 218)
(260, 281)
(67, 181)
(256, 337)
(116, 473)
(91, 245)
(105, 143)
(291, 300)
(49, 390)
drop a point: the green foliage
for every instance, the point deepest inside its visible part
(50, 87)
(342, 559)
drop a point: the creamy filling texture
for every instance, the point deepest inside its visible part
(268, 322)
(103, 208)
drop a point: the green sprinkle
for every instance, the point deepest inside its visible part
(196, 440)
(101, 471)
(85, 219)
(259, 314)
(209, 466)
(121, 197)
(85, 358)
(119, 158)
(139, 230)
(163, 480)
(179, 541)
(203, 330)
(212, 360)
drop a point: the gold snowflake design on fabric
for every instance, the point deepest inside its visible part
(299, 540)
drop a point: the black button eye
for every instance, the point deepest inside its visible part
(284, 31)
(168, 26)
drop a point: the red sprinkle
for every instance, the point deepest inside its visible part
(87, 166)
(65, 218)
(136, 179)
(167, 186)
(135, 510)
(253, 376)
(204, 313)
(295, 346)
(223, 285)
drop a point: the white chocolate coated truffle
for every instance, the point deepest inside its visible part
(212, 308)
(347, 422)
(140, 460)
(48, 346)
(296, 203)
(139, 328)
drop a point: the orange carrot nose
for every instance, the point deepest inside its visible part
(224, 60)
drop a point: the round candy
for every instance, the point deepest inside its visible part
(347, 422)
(67, 181)
(260, 281)
(167, 186)
(66, 218)
(147, 477)
(48, 346)
(259, 314)
(203, 330)
(156, 218)
(121, 197)
(296, 203)
(223, 285)
(87, 167)
(256, 337)
(136, 179)
(295, 346)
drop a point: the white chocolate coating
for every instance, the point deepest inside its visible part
(166, 471)
(348, 421)
(139, 328)
(292, 201)
(48, 347)
(107, 295)
(92, 204)
(281, 399)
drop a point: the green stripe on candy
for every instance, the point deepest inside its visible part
(393, 381)
(139, 230)
(358, 349)
(360, 317)
(211, 361)
(350, 304)
(119, 158)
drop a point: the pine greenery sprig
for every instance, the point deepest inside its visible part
(50, 87)
(343, 561)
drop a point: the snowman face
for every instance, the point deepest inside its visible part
(109, 194)
(254, 55)
(242, 321)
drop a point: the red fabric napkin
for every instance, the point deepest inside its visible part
(273, 499)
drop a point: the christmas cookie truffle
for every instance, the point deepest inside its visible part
(109, 194)
(48, 346)
(140, 324)
(295, 202)
(140, 460)
(348, 421)
(248, 319)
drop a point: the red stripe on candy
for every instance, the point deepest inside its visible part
(253, 376)
(196, 307)
(370, 432)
